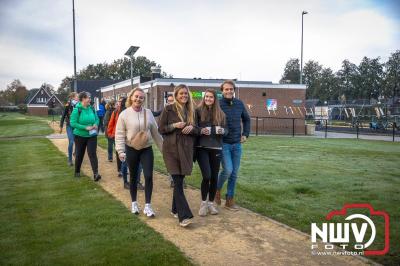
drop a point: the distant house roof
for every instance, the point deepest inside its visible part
(54, 96)
(92, 86)
(35, 93)
(31, 93)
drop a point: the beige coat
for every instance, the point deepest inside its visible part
(130, 123)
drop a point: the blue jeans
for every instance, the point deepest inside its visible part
(110, 148)
(70, 135)
(124, 171)
(231, 154)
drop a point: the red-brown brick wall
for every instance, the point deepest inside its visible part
(42, 111)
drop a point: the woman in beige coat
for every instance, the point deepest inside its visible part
(131, 122)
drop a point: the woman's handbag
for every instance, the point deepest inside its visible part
(140, 140)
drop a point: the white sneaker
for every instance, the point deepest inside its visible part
(174, 214)
(212, 209)
(148, 211)
(185, 222)
(135, 208)
(203, 209)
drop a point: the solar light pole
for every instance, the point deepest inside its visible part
(131, 51)
(301, 59)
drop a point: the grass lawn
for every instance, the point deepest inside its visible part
(298, 181)
(18, 125)
(48, 217)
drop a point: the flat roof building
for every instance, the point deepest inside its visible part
(262, 98)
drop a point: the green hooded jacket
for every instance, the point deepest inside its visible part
(79, 122)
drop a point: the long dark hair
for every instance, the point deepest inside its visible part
(217, 115)
(122, 105)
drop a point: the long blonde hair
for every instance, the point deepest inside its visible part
(188, 107)
(217, 115)
(129, 98)
(72, 95)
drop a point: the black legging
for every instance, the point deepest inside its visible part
(146, 158)
(179, 202)
(209, 161)
(81, 144)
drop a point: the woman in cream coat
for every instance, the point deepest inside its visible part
(130, 122)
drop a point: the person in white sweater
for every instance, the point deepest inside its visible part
(130, 122)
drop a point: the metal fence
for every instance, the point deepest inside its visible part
(323, 128)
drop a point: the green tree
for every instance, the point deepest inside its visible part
(371, 75)
(348, 79)
(15, 93)
(329, 83)
(312, 72)
(119, 69)
(291, 73)
(392, 75)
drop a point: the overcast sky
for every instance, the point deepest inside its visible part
(248, 40)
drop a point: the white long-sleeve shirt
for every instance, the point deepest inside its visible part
(128, 126)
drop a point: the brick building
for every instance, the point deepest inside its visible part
(273, 105)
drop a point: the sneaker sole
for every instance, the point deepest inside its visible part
(149, 216)
(231, 209)
(184, 225)
(203, 214)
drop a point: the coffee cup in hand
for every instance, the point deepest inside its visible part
(219, 130)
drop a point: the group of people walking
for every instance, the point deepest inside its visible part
(211, 134)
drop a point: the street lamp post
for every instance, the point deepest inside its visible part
(131, 51)
(73, 26)
(301, 58)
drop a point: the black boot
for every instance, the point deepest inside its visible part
(97, 177)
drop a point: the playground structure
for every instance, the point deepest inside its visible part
(355, 118)
(374, 117)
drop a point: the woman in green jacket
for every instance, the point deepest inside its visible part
(85, 122)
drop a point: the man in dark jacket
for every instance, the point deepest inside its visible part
(236, 115)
